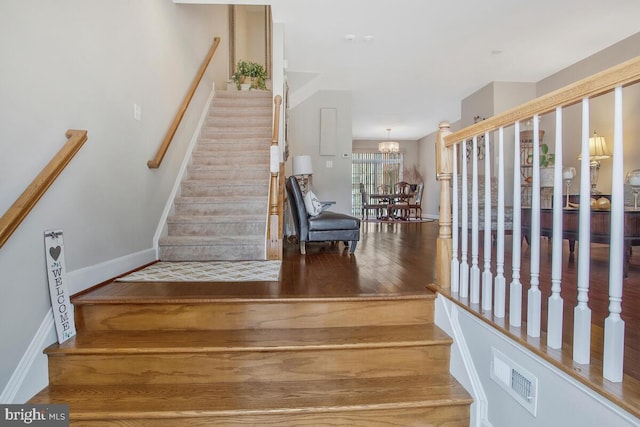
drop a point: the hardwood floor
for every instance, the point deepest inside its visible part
(268, 347)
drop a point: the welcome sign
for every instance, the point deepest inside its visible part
(57, 273)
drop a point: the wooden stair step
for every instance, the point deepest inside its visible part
(176, 311)
(140, 342)
(248, 355)
(390, 401)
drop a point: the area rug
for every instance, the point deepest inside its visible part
(211, 271)
(398, 221)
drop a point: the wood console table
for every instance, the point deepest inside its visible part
(600, 228)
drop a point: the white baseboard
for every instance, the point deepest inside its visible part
(78, 281)
(44, 337)
(84, 278)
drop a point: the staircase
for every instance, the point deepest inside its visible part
(158, 355)
(221, 212)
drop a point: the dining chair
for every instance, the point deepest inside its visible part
(366, 205)
(402, 205)
(416, 204)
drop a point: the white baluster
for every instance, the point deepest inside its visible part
(555, 305)
(475, 269)
(534, 298)
(499, 282)
(487, 277)
(464, 241)
(613, 324)
(582, 312)
(515, 287)
(455, 264)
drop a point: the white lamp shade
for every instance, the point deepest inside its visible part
(302, 165)
(598, 149)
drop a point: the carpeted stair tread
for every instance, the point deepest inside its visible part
(234, 218)
(221, 211)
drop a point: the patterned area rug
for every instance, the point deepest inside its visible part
(212, 271)
(398, 221)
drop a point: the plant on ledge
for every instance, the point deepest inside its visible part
(247, 71)
(546, 159)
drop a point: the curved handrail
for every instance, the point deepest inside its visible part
(155, 162)
(14, 216)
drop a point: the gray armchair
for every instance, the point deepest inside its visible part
(326, 226)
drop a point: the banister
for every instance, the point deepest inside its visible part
(274, 232)
(14, 216)
(166, 142)
(622, 74)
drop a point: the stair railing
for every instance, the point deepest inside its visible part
(166, 142)
(276, 193)
(14, 216)
(481, 291)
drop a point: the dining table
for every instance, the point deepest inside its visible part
(392, 200)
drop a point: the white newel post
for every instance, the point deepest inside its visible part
(582, 312)
(487, 277)
(534, 298)
(499, 281)
(555, 303)
(515, 287)
(475, 269)
(614, 325)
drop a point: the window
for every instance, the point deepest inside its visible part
(372, 170)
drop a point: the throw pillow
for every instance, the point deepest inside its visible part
(312, 204)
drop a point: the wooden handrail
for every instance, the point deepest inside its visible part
(274, 232)
(28, 199)
(623, 74)
(155, 162)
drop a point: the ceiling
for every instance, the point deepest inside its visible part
(426, 56)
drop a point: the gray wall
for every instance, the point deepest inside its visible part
(601, 112)
(83, 65)
(328, 183)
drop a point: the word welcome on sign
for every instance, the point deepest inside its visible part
(57, 273)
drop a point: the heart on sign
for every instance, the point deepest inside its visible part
(55, 252)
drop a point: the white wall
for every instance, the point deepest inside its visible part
(83, 65)
(304, 138)
(562, 401)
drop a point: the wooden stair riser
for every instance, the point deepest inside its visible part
(404, 401)
(253, 315)
(242, 366)
(196, 227)
(201, 188)
(217, 206)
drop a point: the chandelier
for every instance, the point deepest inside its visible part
(388, 146)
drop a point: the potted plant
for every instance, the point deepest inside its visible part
(250, 75)
(547, 160)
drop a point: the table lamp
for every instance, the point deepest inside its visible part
(568, 174)
(598, 150)
(303, 170)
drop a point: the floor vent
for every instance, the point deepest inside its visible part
(515, 380)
